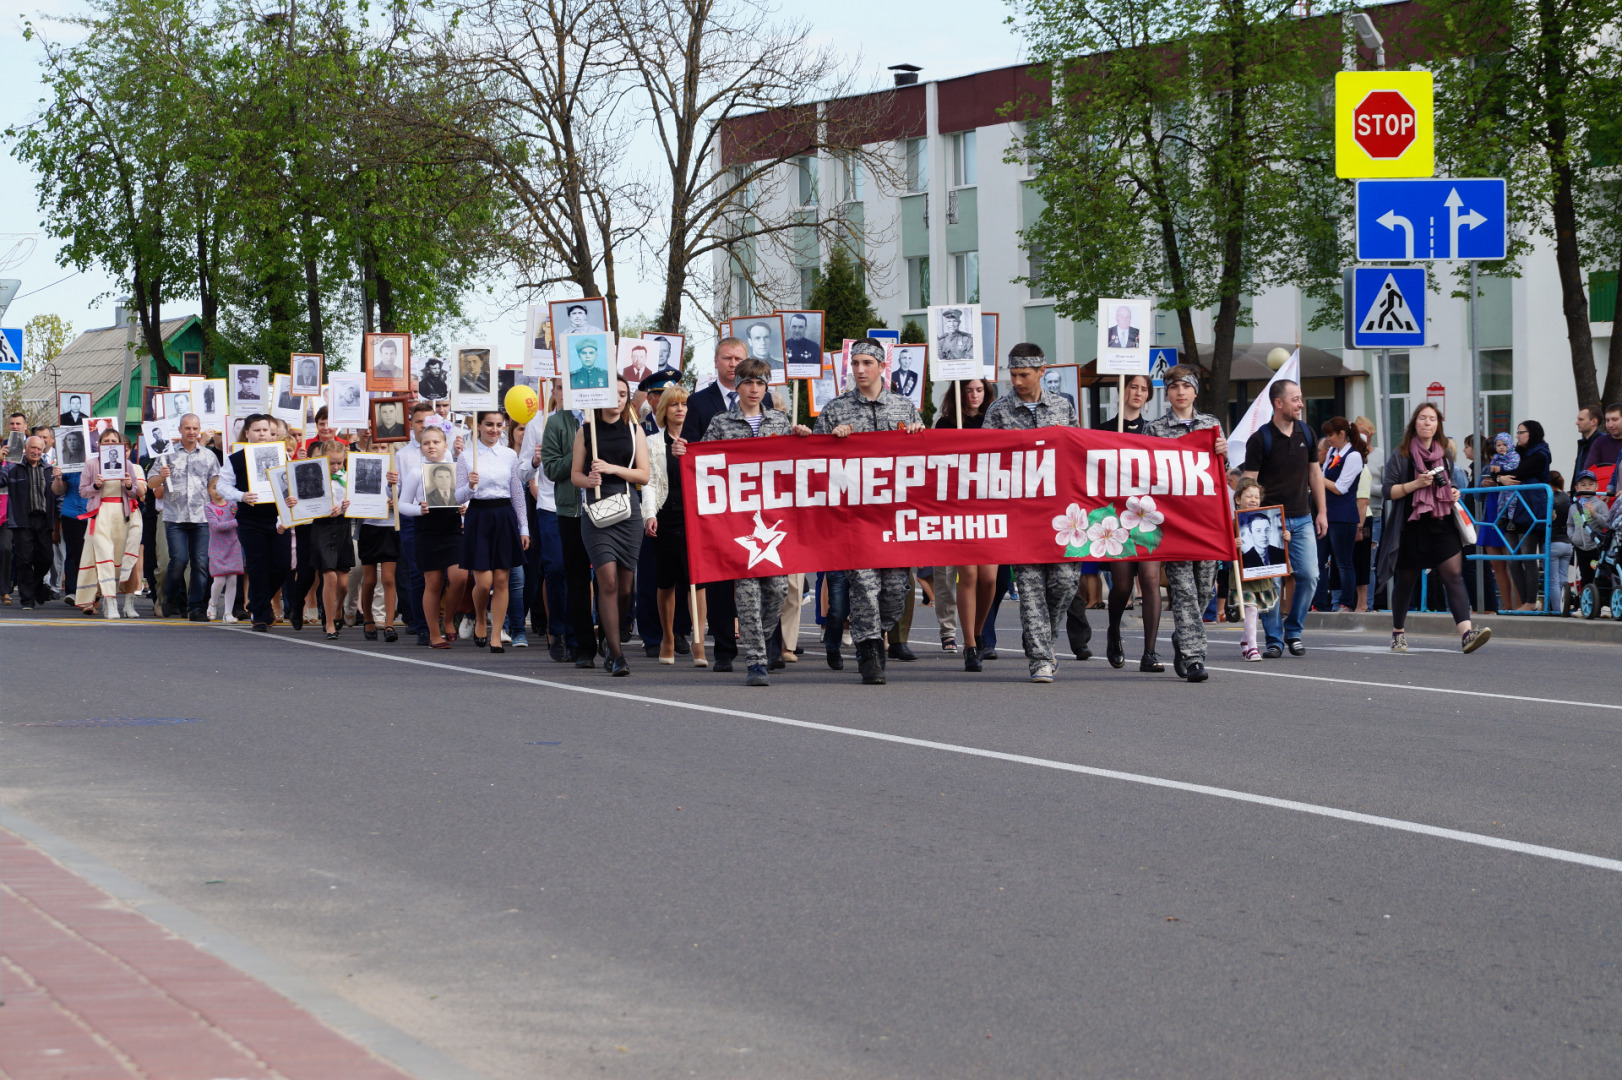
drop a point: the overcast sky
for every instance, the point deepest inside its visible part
(947, 38)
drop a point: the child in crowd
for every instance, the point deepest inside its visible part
(224, 556)
(1254, 596)
(1587, 522)
(1504, 458)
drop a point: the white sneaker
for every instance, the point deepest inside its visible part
(1044, 674)
(465, 627)
(506, 638)
(129, 606)
(109, 607)
(211, 612)
(228, 617)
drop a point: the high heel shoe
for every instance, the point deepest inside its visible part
(481, 642)
(1115, 651)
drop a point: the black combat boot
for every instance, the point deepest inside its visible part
(869, 658)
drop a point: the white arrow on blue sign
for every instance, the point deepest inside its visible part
(1408, 220)
(1387, 307)
(11, 349)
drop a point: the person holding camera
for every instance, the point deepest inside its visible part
(1421, 528)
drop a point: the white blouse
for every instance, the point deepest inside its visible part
(498, 479)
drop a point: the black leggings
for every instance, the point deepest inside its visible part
(1147, 575)
(1451, 571)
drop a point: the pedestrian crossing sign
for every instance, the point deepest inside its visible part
(11, 350)
(1385, 307)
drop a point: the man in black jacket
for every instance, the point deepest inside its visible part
(702, 407)
(31, 517)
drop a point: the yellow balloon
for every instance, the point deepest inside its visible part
(522, 404)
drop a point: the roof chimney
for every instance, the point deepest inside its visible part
(123, 312)
(905, 74)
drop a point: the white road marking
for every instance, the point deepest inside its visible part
(1418, 689)
(1479, 839)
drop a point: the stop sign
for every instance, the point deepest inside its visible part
(1384, 124)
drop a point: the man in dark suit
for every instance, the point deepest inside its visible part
(1123, 335)
(703, 407)
(74, 414)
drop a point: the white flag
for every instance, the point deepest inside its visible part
(1260, 411)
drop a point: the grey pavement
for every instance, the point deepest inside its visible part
(654, 879)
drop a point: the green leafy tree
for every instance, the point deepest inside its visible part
(44, 338)
(1186, 152)
(1533, 93)
(841, 297)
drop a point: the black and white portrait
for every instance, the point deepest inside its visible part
(286, 400)
(389, 420)
(248, 388)
(1262, 550)
(587, 316)
(309, 479)
(157, 441)
(666, 351)
(306, 373)
(388, 359)
(348, 405)
(112, 461)
(179, 404)
(439, 483)
(473, 371)
(74, 407)
(907, 371)
(953, 341)
(433, 380)
(959, 350)
(802, 344)
(1063, 380)
(367, 476)
(763, 334)
(263, 457)
(70, 447)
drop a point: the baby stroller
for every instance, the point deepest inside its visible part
(1607, 575)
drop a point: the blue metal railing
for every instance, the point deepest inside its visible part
(1508, 498)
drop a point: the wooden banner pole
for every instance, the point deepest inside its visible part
(957, 394)
(698, 627)
(1120, 404)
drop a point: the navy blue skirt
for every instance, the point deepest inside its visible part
(490, 539)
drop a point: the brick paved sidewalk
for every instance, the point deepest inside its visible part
(95, 991)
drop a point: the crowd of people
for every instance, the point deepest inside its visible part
(571, 527)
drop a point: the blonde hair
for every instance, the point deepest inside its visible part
(1245, 484)
(673, 395)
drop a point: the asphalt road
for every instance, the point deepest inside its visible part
(659, 877)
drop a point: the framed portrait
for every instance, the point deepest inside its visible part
(841, 363)
(347, 401)
(388, 363)
(285, 405)
(590, 383)
(260, 458)
(73, 407)
(432, 377)
(368, 487)
(763, 334)
(635, 360)
(112, 461)
(208, 401)
(234, 423)
(250, 388)
(156, 435)
(1262, 551)
(585, 316)
(306, 370)
(70, 447)
(904, 367)
(1064, 380)
(175, 406)
(311, 482)
(439, 484)
(389, 419)
(93, 428)
(16, 445)
(540, 358)
(509, 377)
(665, 351)
(150, 406)
(802, 344)
(958, 348)
(278, 492)
(723, 329)
(1125, 332)
(990, 327)
(823, 387)
(473, 382)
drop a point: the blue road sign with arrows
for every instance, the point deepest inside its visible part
(1409, 220)
(11, 349)
(1386, 307)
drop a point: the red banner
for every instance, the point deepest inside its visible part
(787, 505)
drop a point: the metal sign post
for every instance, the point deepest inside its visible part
(1477, 427)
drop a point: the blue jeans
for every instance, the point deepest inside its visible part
(1342, 539)
(188, 542)
(833, 626)
(515, 600)
(1304, 562)
(546, 556)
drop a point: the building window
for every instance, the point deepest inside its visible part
(852, 184)
(1397, 395)
(917, 154)
(964, 171)
(743, 297)
(191, 363)
(1038, 289)
(966, 278)
(806, 167)
(809, 276)
(1497, 393)
(917, 283)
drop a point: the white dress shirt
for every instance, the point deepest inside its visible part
(498, 479)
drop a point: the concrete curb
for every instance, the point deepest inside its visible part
(348, 1019)
(1513, 627)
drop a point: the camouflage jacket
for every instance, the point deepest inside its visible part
(1169, 427)
(1052, 411)
(732, 425)
(883, 413)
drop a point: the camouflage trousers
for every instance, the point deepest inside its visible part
(760, 606)
(1045, 592)
(1191, 585)
(877, 600)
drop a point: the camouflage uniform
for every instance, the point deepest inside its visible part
(877, 597)
(759, 601)
(1045, 589)
(1189, 583)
